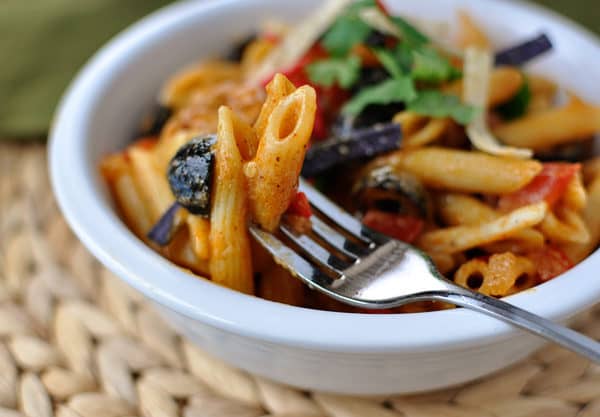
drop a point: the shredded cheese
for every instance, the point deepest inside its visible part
(477, 70)
(299, 40)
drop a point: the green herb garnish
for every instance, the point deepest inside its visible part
(431, 67)
(516, 106)
(394, 90)
(343, 71)
(434, 103)
(409, 33)
(347, 31)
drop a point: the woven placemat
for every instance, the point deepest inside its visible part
(77, 342)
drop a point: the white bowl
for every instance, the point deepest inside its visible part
(337, 352)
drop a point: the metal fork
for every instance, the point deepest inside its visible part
(377, 272)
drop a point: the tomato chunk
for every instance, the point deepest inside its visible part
(398, 226)
(300, 206)
(549, 185)
(550, 262)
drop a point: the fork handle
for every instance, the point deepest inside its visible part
(540, 326)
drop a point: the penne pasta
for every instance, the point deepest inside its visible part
(474, 176)
(464, 171)
(504, 83)
(150, 182)
(460, 238)
(418, 130)
(273, 173)
(576, 121)
(460, 209)
(180, 88)
(230, 258)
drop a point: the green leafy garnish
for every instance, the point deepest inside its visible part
(429, 66)
(347, 31)
(390, 91)
(409, 33)
(343, 71)
(390, 62)
(516, 106)
(434, 103)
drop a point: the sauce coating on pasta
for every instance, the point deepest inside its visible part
(444, 143)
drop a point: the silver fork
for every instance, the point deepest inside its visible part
(378, 272)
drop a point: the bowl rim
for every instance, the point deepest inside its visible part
(252, 317)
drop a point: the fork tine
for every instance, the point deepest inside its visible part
(290, 260)
(315, 251)
(338, 215)
(337, 240)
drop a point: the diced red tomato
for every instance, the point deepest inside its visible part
(550, 262)
(398, 226)
(549, 185)
(300, 206)
(382, 7)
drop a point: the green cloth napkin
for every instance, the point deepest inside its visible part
(44, 42)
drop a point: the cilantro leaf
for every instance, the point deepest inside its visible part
(516, 106)
(389, 62)
(390, 91)
(397, 62)
(430, 66)
(410, 34)
(348, 30)
(437, 104)
(344, 71)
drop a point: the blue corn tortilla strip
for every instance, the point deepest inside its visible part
(162, 232)
(360, 143)
(524, 52)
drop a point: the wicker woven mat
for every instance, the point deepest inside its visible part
(76, 342)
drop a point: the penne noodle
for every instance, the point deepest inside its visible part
(463, 171)
(460, 209)
(419, 130)
(131, 205)
(504, 83)
(575, 122)
(151, 183)
(563, 225)
(230, 257)
(199, 229)
(273, 173)
(460, 238)
(575, 196)
(179, 89)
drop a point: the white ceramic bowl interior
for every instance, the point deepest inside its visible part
(346, 353)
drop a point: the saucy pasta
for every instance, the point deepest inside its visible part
(451, 146)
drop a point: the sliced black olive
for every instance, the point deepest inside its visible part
(385, 189)
(235, 54)
(190, 174)
(156, 121)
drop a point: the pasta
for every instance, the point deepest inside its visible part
(421, 135)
